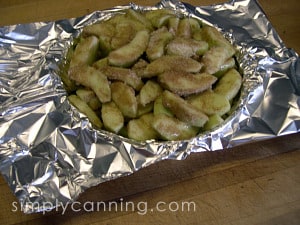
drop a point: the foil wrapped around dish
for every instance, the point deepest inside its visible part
(49, 152)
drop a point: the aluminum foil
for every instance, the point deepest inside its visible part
(49, 152)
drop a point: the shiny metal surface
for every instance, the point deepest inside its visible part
(50, 153)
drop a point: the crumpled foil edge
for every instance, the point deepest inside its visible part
(49, 152)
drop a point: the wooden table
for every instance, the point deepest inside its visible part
(257, 183)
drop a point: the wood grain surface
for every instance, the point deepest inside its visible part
(257, 183)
